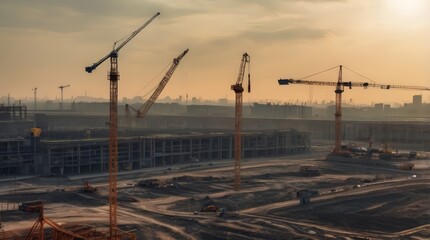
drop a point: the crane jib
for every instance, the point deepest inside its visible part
(114, 52)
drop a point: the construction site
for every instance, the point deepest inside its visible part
(211, 172)
(197, 201)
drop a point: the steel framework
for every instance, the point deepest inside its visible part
(238, 90)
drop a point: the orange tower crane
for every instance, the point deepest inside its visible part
(238, 90)
(113, 78)
(143, 110)
(340, 85)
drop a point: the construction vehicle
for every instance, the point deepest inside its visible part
(31, 206)
(340, 85)
(143, 110)
(386, 153)
(407, 166)
(221, 212)
(88, 188)
(210, 208)
(412, 155)
(151, 183)
(238, 90)
(113, 78)
(305, 195)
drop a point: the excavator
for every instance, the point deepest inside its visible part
(88, 188)
(143, 110)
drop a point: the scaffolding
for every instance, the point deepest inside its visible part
(8, 113)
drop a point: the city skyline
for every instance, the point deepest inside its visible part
(50, 42)
(4, 100)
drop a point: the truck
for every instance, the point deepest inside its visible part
(31, 206)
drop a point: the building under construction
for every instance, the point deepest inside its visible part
(73, 145)
(14, 112)
(77, 156)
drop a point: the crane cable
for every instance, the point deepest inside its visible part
(123, 38)
(359, 74)
(319, 73)
(355, 72)
(249, 74)
(151, 82)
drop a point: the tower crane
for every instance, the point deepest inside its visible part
(143, 110)
(238, 90)
(113, 78)
(61, 88)
(340, 85)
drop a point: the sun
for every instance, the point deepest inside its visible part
(406, 7)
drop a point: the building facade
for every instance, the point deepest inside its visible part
(72, 157)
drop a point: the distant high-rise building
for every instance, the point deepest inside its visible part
(223, 101)
(387, 107)
(417, 100)
(379, 107)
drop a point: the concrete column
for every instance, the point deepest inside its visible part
(210, 148)
(191, 147)
(48, 171)
(152, 152)
(230, 148)
(266, 143)
(79, 159)
(101, 158)
(200, 148)
(219, 148)
(171, 150)
(141, 151)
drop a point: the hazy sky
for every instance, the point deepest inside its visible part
(48, 43)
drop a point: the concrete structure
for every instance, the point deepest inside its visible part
(280, 111)
(17, 156)
(417, 100)
(70, 157)
(393, 132)
(13, 112)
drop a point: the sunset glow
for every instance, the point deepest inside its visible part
(50, 43)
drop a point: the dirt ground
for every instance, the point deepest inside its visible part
(351, 201)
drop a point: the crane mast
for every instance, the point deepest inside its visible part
(113, 78)
(340, 85)
(238, 90)
(61, 88)
(338, 112)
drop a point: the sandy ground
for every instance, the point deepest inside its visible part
(355, 201)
